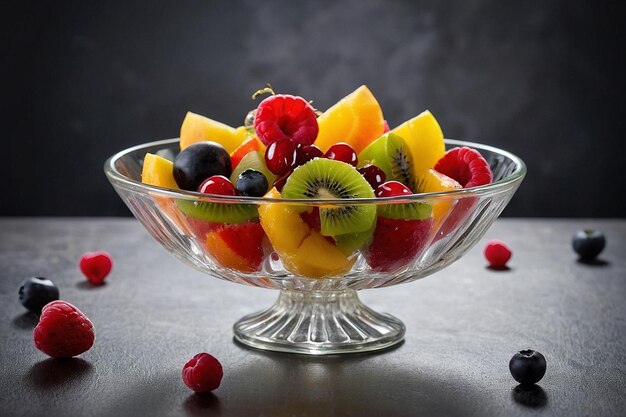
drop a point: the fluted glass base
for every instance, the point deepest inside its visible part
(319, 323)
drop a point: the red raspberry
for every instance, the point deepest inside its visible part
(286, 117)
(96, 266)
(203, 373)
(63, 331)
(466, 166)
(497, 253)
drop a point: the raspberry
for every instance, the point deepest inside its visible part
(96, 266)
(63, 331)
(286, 117)
(466, 166)
(497, 253)
(203, 373)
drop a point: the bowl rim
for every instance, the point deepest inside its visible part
(118, 179)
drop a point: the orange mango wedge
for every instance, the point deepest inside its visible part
(197, 128)
(356, 119)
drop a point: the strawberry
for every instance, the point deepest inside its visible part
(286, 117)
(246, 240)
(466, 166)
(397, 242)
(63, 331)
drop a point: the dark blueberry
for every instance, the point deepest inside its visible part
(252, 183)
(527, 366)
(588, 243)
(200, 161)
(36, 292)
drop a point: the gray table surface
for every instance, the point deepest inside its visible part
(463, 325)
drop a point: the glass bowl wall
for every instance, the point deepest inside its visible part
(318, 311)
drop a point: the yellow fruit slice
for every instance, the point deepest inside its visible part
(284, 227)
(302, 250)
(197, 128)
(356, 119)
(158, 171)
(434, 182)
(424, 138)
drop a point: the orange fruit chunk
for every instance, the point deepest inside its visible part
(424, 138)
(356, 119)
(433, 182)
(197, 128)
(247, 146)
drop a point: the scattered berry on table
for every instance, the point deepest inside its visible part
(96, 266)
(497, 253)
(280, 156)
(284, 116)
(342, 152)
(252, 183)
(203, 373)
(527, 366)
(36, 292)
(217, 184)
(200, 161)
(588, 243)
(63, 331)
(392, 189)
(372, 174)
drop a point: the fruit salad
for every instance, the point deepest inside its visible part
(288, 150)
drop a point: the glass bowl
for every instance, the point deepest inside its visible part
(318, 311)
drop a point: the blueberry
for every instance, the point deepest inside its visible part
(252, 183)
(527, 366)
(200, 161)
(36, 292)
(588, 243)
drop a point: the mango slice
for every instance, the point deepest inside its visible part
(197, 128)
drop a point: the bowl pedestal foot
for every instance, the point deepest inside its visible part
(319, 323)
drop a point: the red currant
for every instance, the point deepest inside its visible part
(280, 156)
(217, 184)
(372, 174)
(342, 152)
(306, 153)
(392, 189)
(497, 254)
(280, 183)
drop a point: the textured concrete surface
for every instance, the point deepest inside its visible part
(463, 326)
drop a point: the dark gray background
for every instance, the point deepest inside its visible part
(84, 79)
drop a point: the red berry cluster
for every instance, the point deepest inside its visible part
(288, 126)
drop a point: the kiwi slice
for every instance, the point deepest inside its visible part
(231, 213)
(253, 160)
(328, 178)
(391, 154)
(349, 243)
(406, 211)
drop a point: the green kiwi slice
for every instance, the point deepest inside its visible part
(231, 213)
(327, 178)
(391, 154)
(406, 211)
(349, 243)
(253, 160)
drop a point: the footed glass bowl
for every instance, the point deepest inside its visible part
(318, 311)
